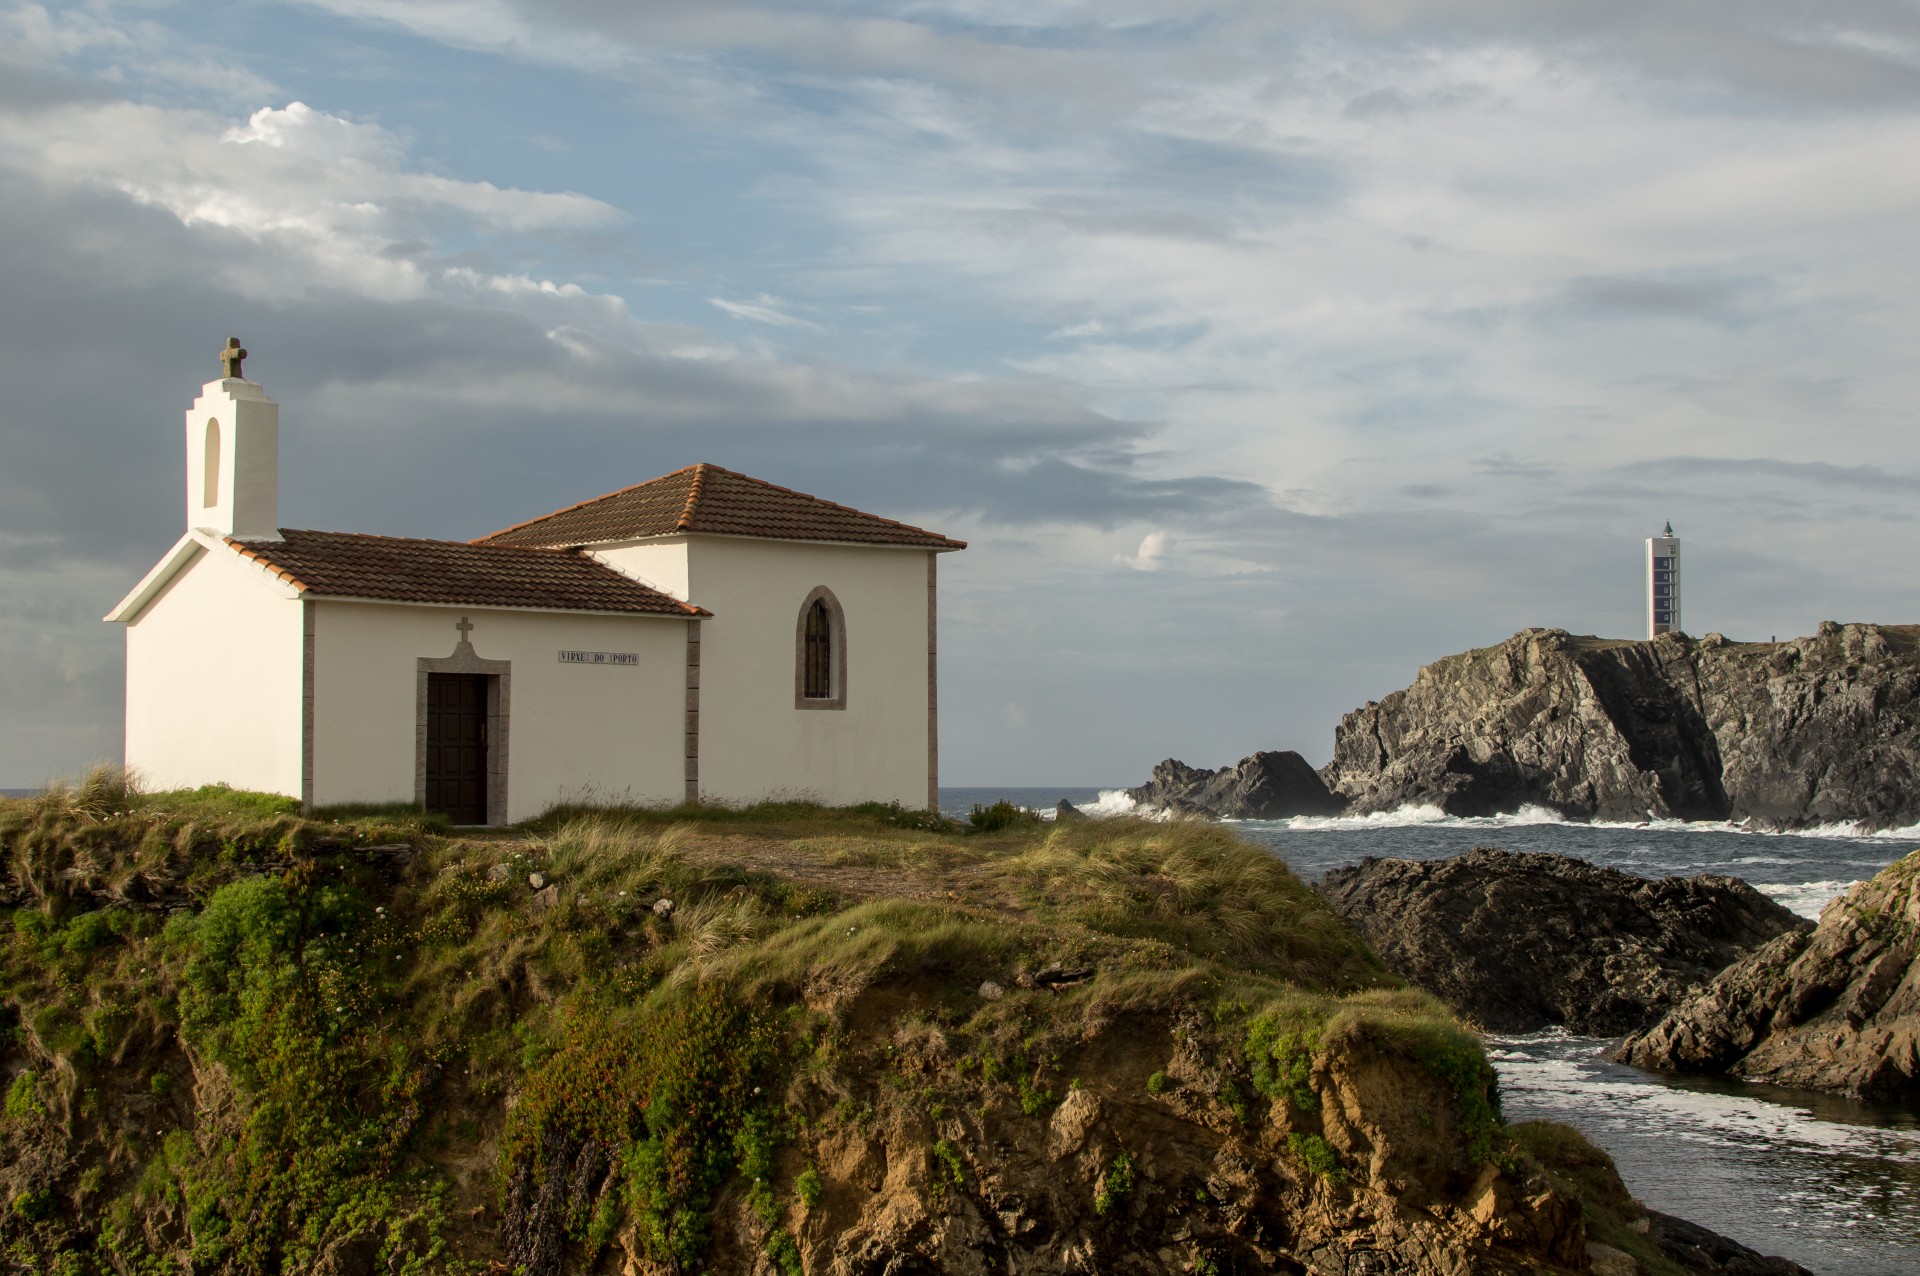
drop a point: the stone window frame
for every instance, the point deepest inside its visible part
(837, 635)
(499, 675)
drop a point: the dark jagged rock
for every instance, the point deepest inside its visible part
(1816, 730)
(1518, 941)
(1066, 810)
(1710, 1254)
(1837, 1009)
(1261, 786)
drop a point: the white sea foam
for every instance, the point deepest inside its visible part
(1418, 816)
(1112, 802)
(1427, 815)
(1554, 1067)
(1809, 899)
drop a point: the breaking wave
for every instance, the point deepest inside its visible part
(1429, 816)
(1809, 899)
(1110, 803)
(1416, 817)
(1113, 802)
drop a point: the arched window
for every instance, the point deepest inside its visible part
(210, 481)
(820, 655)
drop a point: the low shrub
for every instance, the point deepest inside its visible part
(1317, 1155)
(1115, 1186)
(1001, 815)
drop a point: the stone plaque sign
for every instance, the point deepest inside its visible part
(626, 659)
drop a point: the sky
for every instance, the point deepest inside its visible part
(1263, 351)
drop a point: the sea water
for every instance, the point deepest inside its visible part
(1828, 1182)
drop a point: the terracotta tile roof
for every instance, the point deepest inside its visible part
(706, 498)
(395, 569)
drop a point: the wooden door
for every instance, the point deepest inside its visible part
(457, 746)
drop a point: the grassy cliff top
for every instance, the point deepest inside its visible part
(236, 1039)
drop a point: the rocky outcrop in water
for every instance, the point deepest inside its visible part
(1261, 786)
(1698, 1250)
(1835, 1009)
(1519, 941)
(1811, 731)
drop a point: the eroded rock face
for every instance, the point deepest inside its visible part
(1837, 1009)
(1392, 1187)
(984, 1189)
(1789, 734)
(1520, 941)
(1261, 786)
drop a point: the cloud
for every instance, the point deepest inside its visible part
(1358, 303)
(1502, 465)
(763, 309)
(1680, 471)
(140, 50)
(1155, 549)
(1661, 298)
(330, 198)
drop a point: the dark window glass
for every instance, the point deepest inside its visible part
(819, 681)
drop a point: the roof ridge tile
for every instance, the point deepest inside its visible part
(693, 497)
(716, 501)
(460, 573)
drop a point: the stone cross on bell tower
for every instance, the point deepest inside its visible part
(230, 358)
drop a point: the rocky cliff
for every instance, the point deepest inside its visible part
(1834, 1009)
(1261, 786)
(1520, 941)
(778, 1042)
(1815, 730)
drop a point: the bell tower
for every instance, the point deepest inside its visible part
(233, 456)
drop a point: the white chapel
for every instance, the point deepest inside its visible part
(704, 636)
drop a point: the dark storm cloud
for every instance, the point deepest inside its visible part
(1505, 466)
(1849, 54)
(449, 408)
(1690, 470)
(1509, 249)
(1645, 298)
(376, 393)
(1844, 54)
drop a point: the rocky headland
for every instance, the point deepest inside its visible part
(1818, 730)
(1837, 1008)
(773, 1042)
(1785, 735)
(1517, 941)
(1262, 786)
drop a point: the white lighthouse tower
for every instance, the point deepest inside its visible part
(1663, 583)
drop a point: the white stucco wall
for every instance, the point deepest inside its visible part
(214, 680)
(595, 733)
(754, 743)
(660, 562)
